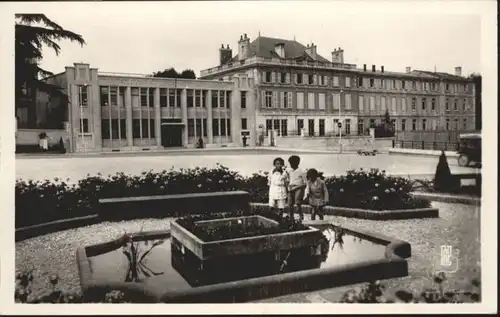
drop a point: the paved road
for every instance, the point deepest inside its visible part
(245, 162)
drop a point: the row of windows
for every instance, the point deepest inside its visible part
(198, 127)
(366, 82)
(145, 97)
(281, 126)
(416, 124)
(275, 99)
(116, 129)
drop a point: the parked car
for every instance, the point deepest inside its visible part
(469, 149)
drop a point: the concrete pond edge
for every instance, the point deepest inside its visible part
(394, 265)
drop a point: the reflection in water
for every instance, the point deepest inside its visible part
(137, 258)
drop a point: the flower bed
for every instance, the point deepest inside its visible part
(44, 201)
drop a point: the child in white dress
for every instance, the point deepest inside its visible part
(278, 181)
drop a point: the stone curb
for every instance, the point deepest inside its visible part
(448, 198)
(371, 214)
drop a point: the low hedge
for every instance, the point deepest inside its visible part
(43, 201)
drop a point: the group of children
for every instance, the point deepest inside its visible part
(291, 187)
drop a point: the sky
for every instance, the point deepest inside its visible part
(131, 37)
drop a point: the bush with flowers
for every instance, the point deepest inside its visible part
(44, 201)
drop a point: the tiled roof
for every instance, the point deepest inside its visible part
(265, 47)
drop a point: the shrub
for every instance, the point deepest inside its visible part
(443, 180)
(44, 201)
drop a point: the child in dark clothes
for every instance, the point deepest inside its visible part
(316, 193)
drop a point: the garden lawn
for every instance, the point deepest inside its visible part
(458, 226)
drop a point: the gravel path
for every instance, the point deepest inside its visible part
(457, 226)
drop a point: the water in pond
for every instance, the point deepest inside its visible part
(158, 272)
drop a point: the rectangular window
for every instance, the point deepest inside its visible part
(198, 127)
(336, 101)
(424, 124)
(413, 85)
(413, 104)
(424, 103)
(121, 97)
(382, 103)
(403, 84)
(215, 127)
(205, 130)
(136, 128)
(114, 129)
(105, 129)
(310, 101)
(228, 99)
(348, 101)
(267, 77)
(243, 100)
(300, 100)
(447, 124)
(321, 127)
(372, 103)
(244, 123)
(403, 124)
(299, 78)
(348, 82)
(113, 91)
(283, 78)
(414, 124)
(189, 101)
(403, 104)
(335, 81)
(144, 97)
(204, 94)
(276, 126)
(361, 103)
(123, 129)
(310, 124)
(172, 97)
(372, 123)
(455, 105)
(361, 126)
(322, 80)
(455, 124)
(83, 94)
(151, 97)
(145, 128)
(197, 100)
(433, 104)
(222, 127)
(190, 127)
(104, 95)
(394, 84)
(215, 98)
(465, 123)
(135, 97)
(321, 101)
(284, 127)
(447, 87)
(222, 99)
(300, 125)
(311, 79)
(382, 83)
(447, 105)
(163, 98)
(269, 99)
(360, 81)
(372, 82)
(347, 126)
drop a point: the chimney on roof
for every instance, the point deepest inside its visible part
(311, 50)
(408, 69)
(225, 54)
(382, 68)
(364, 67)
(373, 68)
(279, 48)
(243, 47)
(458, 71)
(338, 56)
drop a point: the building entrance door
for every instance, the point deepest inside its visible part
(171, 135)
(311, 127)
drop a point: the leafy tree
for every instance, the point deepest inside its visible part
(32, 32)
(172, 73)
